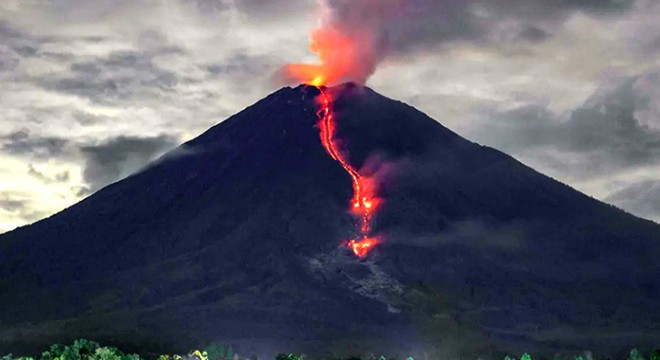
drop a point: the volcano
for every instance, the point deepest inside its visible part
(237, 237)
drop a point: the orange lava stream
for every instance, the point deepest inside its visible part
(364, 201)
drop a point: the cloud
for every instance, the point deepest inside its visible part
(272, 10)
(608, 146)
(11, 205)
(86, 118)
(482, 21)
(120, 76)
(23, 143)
(615, 127)
(121, 156)
(533, 34)
(61, 177)
(20, 206)
(18, 41)
(240, 63)
(8, 60)
(641, 199)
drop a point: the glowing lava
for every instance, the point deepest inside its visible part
(364, 201)
(361, 248)
(345, 53)
(342, 57)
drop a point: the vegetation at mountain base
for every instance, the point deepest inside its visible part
(82, 349)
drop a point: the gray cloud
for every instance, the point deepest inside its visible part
(607, 146)
(533, 34)
(605, 130)
(8, 60)
(23, 143)
(18, 205)
(11, 205)
(86, 118)
(641, 199)
(274, 10)
(76, 9)
(57, 178)
(209, 6)
(23, 44)
(18, 41)
(121, 156)
(241, 64)
(119, 76)
(268, 11)
(402, 26)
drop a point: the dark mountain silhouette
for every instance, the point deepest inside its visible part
(236, 237)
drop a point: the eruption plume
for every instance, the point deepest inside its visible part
(349, 42)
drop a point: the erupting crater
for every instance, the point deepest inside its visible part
(364, 201)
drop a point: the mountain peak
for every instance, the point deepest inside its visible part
(239, 239)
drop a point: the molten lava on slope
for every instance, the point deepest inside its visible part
(364, 201)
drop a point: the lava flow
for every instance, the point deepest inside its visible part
(364, 201)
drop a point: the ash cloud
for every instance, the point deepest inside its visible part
(355, 36)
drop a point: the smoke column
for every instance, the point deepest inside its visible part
(349, 42)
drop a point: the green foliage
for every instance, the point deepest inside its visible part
(80, 350)
(524, 356)
(89, 350)
(655, 355)
(219, 352)
(168, 357)
(55, 352)
(11, 357)
(288, 357)
(635, 355)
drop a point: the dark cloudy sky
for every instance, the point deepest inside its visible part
(92, 90)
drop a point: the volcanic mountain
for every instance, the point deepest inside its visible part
(238, 237)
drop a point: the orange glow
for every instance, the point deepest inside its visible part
(342, 57)
(364, 201)
(361, 248)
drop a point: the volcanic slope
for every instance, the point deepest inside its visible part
(236, 237)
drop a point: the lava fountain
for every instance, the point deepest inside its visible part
(364, 201)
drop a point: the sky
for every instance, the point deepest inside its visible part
(91, 91)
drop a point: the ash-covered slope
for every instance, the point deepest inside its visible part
(236, 237)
